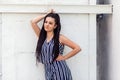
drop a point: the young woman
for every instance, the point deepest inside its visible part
(50, 47)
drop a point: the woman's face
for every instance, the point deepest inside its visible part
(49, 24)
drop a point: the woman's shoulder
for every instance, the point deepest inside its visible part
(62, 38)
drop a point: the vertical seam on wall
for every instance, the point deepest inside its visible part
(1, 46)
(88, 46)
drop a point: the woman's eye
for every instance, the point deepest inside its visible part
(50, 23)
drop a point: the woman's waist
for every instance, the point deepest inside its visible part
(54, 62)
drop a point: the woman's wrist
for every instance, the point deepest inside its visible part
(40, 17)
(64, 57)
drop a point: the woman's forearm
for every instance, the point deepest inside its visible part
(72, 53)
(34, 24)
(38, 18)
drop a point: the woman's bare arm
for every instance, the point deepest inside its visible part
(34, 22)
(75, 48)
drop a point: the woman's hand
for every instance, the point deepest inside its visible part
(60, 57)
(51, 11)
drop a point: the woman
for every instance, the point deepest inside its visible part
(50, 47)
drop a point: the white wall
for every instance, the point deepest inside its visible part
(46, 1)
(114, 37)
(0, 46)
(19, 43)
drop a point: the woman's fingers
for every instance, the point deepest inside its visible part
(51, 11)
(60, 57)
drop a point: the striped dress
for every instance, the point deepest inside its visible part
(57, 70)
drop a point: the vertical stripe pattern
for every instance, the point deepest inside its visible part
(57, 70)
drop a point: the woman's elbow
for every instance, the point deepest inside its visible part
(78, 48)
(32, 21)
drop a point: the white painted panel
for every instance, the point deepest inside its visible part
(22, 31)
(20, 43)
(92, 47)
(8, 58)
(74, 26)
(26, 68)
(45, 2)
(0, 46)
(114, 56)
(18, 57)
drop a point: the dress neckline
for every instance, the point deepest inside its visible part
(48, 41)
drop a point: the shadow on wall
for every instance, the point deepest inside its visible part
(102, 47)
(100, 1)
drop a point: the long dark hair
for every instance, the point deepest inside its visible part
(42, 37)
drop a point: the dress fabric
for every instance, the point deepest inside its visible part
(54, 70)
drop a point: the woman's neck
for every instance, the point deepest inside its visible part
(49, 35)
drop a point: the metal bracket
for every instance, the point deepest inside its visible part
(100, 17)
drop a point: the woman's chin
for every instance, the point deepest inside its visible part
(47, 30)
